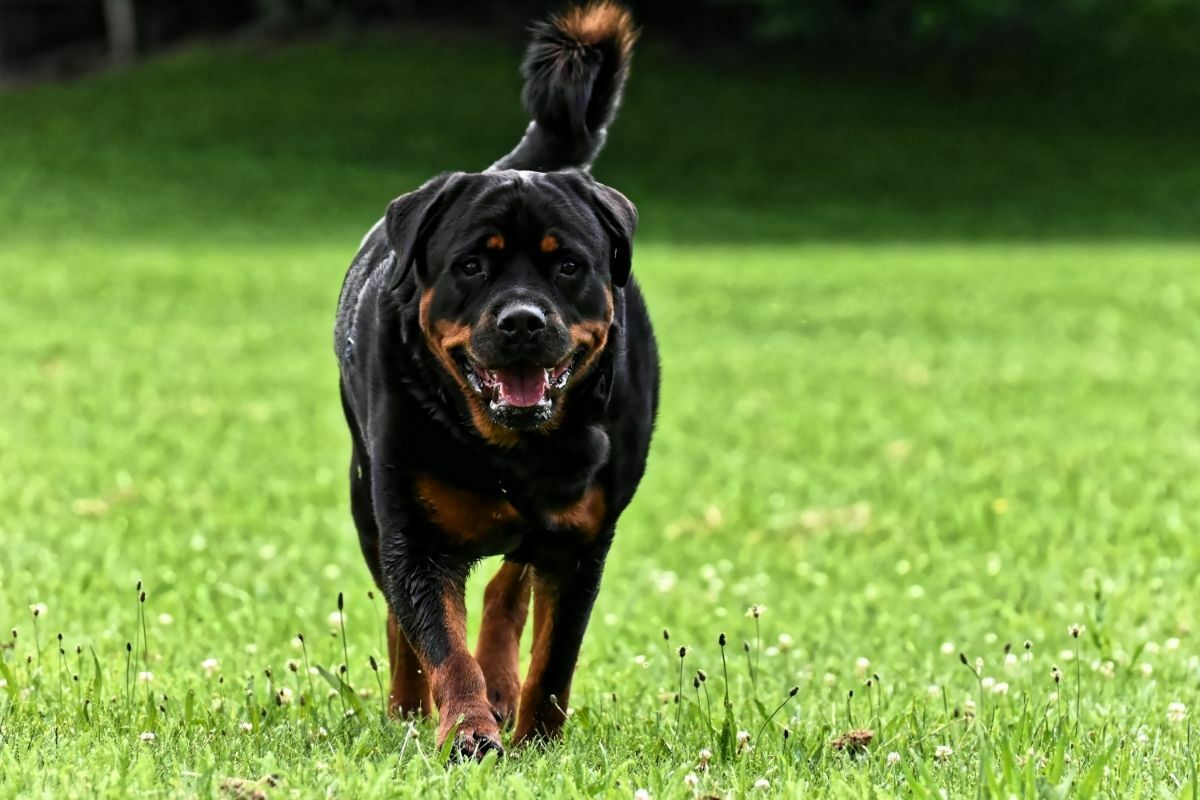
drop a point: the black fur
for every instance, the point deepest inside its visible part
(433, 264)
(572, 91)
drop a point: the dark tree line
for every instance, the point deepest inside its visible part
(901, 28)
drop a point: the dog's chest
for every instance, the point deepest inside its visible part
(487, 523)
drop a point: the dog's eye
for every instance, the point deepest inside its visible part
(568, 267)
(471, 267)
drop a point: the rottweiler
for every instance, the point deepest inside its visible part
(500, 380)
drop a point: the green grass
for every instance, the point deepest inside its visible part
(932, 372)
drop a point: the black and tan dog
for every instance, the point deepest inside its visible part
(500, 380)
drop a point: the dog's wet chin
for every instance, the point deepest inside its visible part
(520, 395)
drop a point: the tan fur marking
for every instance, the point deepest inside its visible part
(467, 516)
(598, 21)
(441, 338)
(458, 686)
(505, 607)
(592, 336)
(495, 242)
(586, 516)
(537, 717)
(549, 243)
(409, 692)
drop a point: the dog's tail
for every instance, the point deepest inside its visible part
(574, 69)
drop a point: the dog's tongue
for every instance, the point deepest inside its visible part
(522, 385)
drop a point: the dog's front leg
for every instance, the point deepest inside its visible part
(425, 589)
(563, 594)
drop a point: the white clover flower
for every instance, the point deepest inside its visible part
(893, 758)
(664, 581)
(3, 683)
(1066, 655)
(948, 648)
(933, 690)
(1107, 668)
(145, 677)
(1151, 648)
(640, 661)
(245, 727)
(297, 643)
(785, 642)
(336, 619)
(38, 609)
(829, 679)
(762, 785)
(705, 755)
(1011, 661)
(210, 666)
(987, 683)
(322, 733)
(1171, 644)
(861, 665)
(691, 780)
(1000, 688)
(641, 794)
(743, 737)
(165, 619)
(943, 752)
(1146, 669)
(1176, 713)
(251, 648)
(148, 737)
(969, 707)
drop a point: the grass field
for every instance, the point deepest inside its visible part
(932, 387)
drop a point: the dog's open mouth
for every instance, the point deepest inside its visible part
(520, 393)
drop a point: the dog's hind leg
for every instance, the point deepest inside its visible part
(505, 608)
(409, 692)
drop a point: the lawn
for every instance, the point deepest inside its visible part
(931, 393)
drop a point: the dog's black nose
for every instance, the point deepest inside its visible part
(521, 323)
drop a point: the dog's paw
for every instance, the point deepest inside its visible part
(472, 744)
(503, 699)
(474, 736)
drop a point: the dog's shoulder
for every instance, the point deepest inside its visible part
(370, 264)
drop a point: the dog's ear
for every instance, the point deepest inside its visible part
(410, 220)
(619, 218)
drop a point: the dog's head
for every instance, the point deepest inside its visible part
(515, 272)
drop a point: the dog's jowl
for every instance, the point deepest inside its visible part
(500, 380)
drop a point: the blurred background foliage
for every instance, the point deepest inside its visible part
(958, 32)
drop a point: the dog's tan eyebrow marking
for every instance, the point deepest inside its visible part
(495, 242)
(549, 243)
